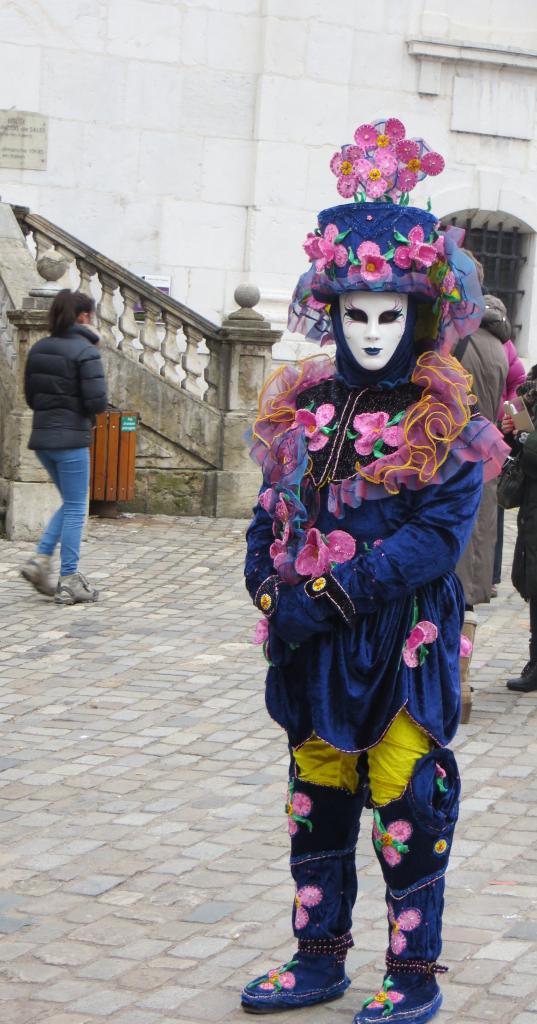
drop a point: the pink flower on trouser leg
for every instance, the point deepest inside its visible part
(373, 266)
(424, 632)
(308, 896)
(407, 921)
(391, 840)
(372, 428)
(319, 552)
(298, 809)
(313, 423)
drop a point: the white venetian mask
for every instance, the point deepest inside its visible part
(373, 325)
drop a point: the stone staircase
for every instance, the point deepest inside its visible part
(194, 384)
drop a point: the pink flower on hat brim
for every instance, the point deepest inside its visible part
(320, 552)
(418, 250)
(373, 265)
(424, 632)
(325, 250)
(372, 428)
(313, 423)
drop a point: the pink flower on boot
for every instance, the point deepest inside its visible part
(407, 921)
(313, 423)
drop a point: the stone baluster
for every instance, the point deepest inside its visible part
(106, 311)
(213, 370)
(193, 363)
(171, 351)
(87, 272)
(150, 337)
(128, 325)
(42, 244)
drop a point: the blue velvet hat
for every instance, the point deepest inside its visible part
(378, 242)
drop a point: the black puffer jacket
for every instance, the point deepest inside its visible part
(65, 386)
(524, 574)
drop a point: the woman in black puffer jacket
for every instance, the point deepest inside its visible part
(524, 573)
(65, 386)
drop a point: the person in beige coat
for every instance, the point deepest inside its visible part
(482, 355)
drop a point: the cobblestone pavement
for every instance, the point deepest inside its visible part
(144, 854)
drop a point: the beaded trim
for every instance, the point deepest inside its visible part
(397, 966)
(327, 947)
(266, 598)
(327, 586)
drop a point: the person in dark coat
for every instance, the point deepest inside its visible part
(65, 387)
(524, 572)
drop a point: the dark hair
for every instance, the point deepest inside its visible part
(65, 309)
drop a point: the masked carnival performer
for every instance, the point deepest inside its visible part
(372, 476)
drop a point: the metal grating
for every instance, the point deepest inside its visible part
(500, 253)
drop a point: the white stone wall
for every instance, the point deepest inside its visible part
(192, 137)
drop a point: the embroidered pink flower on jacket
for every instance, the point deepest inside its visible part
(373, 265)
(418, 250)
(407, 921)
(372, 427)
(298, 808)
(423, 632)
(313, 423)
(308, 896)
(261, 632)
(320, 551)
(392, 840)
(466, 647)
(279, 553)
(325, 250)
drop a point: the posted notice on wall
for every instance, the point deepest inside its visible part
(23, 140)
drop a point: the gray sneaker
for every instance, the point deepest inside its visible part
(75, 589)
(38, 571)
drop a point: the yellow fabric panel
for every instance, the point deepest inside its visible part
(391, 762)
(324, 765)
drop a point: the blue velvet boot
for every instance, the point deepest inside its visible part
(324, 824)
(412, 837)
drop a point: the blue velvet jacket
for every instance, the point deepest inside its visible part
(336, 643)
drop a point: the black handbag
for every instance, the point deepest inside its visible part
(511, 483)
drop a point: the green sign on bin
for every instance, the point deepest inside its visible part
(128, 423)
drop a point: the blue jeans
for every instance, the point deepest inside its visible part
(68, 468)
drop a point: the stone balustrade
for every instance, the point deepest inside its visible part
(146, 325)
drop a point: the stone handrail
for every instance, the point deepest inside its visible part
(147, 326)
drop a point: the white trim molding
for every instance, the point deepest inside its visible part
(432, 53)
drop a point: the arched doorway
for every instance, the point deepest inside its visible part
(503, 245)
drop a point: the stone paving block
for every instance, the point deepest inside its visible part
(96, 885)
(102, 1003)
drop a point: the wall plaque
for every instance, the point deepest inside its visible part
(23, 140)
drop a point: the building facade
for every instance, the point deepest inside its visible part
(191, 138)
